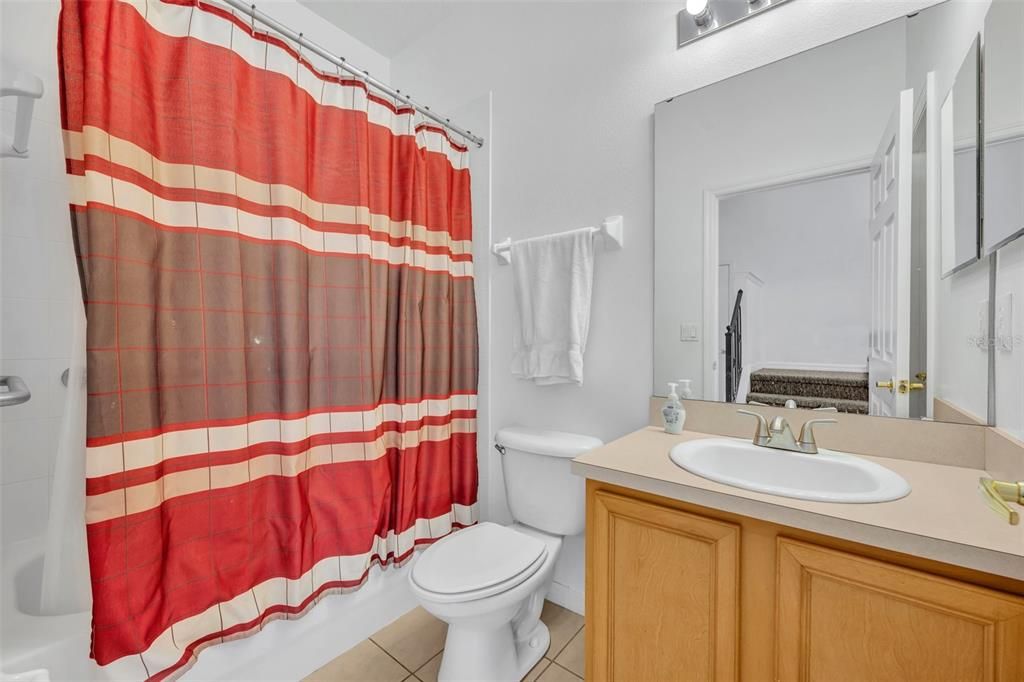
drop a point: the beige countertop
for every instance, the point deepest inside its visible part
(944, 517)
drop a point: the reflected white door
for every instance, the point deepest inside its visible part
(889, 231)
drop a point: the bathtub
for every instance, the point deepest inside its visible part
(29, 641)
(283, 650)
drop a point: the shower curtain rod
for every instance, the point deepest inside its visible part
(341, 63)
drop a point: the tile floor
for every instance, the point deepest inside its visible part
(410, 650)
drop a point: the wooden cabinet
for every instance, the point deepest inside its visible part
(845, 617)
(678, 592)
(667, 587)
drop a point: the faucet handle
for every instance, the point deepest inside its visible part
(806, 440)
(761, 434)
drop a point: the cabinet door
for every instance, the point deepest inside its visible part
(841, 617)
(663, 596)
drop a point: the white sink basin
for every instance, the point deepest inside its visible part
(828, 476)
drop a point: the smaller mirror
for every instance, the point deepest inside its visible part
(1003, 111)
(961, 237)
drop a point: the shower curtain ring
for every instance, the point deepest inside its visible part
(252, 18)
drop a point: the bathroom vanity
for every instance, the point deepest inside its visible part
(829, 253)
(692, 579)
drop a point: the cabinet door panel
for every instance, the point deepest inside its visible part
(663, 597)
(843, 617)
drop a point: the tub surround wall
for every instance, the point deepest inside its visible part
(39, 284)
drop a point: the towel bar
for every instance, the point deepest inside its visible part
(611, 228)
(27, 88)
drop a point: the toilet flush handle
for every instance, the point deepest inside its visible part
(500, 448)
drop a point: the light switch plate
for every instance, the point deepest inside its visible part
(688, 332)
(1004, 323)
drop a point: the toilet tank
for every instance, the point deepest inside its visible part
(542, 491)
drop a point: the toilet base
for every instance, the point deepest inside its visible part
(477, 654)
(530, 652)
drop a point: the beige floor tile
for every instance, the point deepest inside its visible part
(428, 672)
(536, 670)
(365, 662)
(563, 625)
(571, 657)
(413, 639)
(556, 673)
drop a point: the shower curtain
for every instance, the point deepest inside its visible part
(281, 342)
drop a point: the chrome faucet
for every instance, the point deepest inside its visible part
(778, 435)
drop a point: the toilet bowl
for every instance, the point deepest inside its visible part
(488, 581)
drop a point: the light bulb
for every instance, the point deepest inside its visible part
(696, 7)
(700, 10)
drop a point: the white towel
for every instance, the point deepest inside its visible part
(553, 278)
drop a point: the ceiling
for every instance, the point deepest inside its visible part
(386, 26)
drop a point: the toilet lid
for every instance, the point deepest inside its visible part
(476, 558)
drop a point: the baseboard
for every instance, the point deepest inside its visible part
(566, 597)
(811, 366)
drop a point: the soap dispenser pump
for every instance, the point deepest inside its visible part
(673, 413)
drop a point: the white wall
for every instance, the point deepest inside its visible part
(1010, 363)
(809, 244)
(574, 87)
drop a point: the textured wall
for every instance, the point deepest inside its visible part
(574, 87)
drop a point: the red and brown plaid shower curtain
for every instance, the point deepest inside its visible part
(281, 327)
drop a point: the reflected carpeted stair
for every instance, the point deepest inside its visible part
(845, 391)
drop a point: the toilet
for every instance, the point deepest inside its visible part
(489, 581)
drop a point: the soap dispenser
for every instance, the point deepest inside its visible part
(673, 413)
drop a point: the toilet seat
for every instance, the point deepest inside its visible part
(477, 562)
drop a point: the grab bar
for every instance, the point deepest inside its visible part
(13, 391)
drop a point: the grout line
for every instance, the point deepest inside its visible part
(566, 645)
(544, 669)
(566, 670)
(428, 661)
(392, 657)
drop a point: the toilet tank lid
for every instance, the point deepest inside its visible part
(543, 442)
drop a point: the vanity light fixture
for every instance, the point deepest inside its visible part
(700, 12)
(703, 17)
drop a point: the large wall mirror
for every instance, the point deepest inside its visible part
(802, 220)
